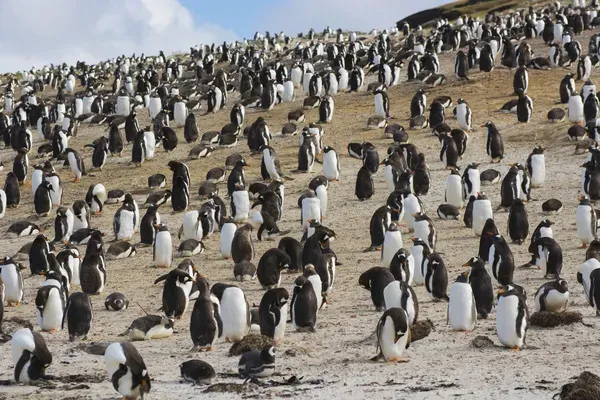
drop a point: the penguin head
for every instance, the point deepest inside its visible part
(563, 285)
(584, 200)
(474, 263)
(463, 278)
(300, 281)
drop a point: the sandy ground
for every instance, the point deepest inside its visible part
(443, 365)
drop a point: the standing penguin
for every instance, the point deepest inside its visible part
(418, 104)
(512, 318)
(552, 296)
(100, 153)
(190, 130)
(96, 197)
(364, 188)
(482, 211)
(132, 126)
(501, 262)
(49, 308)
(326, 109)
(228, 230)
(138, 149)
(471, 181)
(454, 189)
(393, 334)
(303, 308)
(524, 107)
(272, 312)
(82, 214)
(78, 316)
(548, 256)
(461, 65)
(63, 224)
(205, 322)
(12, 191)
(521, 80)
(234, 311)
(518, 224)
(575, 110)
(162, 249)
(481, 285)
(494, 145)
(180, 195)
(124, 222)
(240, 203)
(585, 221)
(42, 200)
(127, 370)
(436, 114)
(382, 103)
(436, 277)
(270, 266)
(30, 355)
(242, 247)
(463, 115)
(536, 167)
(449, 152)
(462, 312)
(331, 164)
(424, 229)
(510, 189)
(176, 292)
(392, 242)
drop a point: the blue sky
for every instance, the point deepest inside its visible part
(34, 33)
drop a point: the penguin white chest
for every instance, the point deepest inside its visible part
(126, 225)
(311, 209)
(280, 328)
(461, 308)
(163, 249)
(390, 348)
(50, 319)
(417, 253)
(317, 285)
(410, 206)
(507, 313)
(13, 284)
(482, 211)
(538, 170)
(555, 301)
(330, 166)
(475, 180)
(583, 222)
(179, 113)
(234, 314)
(322, 196)
(454, 191)
(392, 242)
(226, 238)
(270, 165)
(192, 228)
(463, 116)
(379, 106)
(241, 201)
(74, 167)
(575, 108)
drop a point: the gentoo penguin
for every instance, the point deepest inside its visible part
(481, 285)
(240, 203)
(461, 65)
(449, 151)
(454, 189)
(380, 222)
(501, 262)
(257, 364)
(382, 103)
(242, 247)
(304, 305)
(392, 242)
(270, 161)
(270, 266)
(42, 200)
(326, 109)
(463, 115)
(524, 107)
(197, 371)
(403, 266)
(176, 292)
(82, 214)
(78, 316)
(418, 104)
(12, 190)
(468, 216)
(331, 164)
(205, 322)
(393, 334)
(180, 195)
(30, 355)
(127, 370)
(548, 256)
(536, 167)
(518, 224)
(307, 152)
(424, 229)
(585, 221)
(420, 251)
(92, 273)
(124, 222)
(512, 318)
(49, 308)
(567, 87)
(21, 165)
(272, 312)
(157, 181)
(228, 230)
(490, 177)
(435, 277)
(244, 271)
(293, 249)
(575, 110)
(494, 144)
(436, 114)
(22, 228)
(471, 180)
(56, 193)
(552, 296)
(233, 309)
(462, 312)
(100, 154)
(364, 188)
(120, 249)
(236, 175)
(116, 302)
(482, 211)
(310, 208)
(96, 197)
(70, 259)
(149, 327)
(584, 68)
(162, 249)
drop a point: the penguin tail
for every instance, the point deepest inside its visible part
(370, 249)
(377, 358)
(124, 333)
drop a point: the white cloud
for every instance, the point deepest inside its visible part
(299, 16)
(39, 32)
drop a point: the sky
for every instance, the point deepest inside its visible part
(34, 33)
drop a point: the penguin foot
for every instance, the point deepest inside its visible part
(583, 246)
(397, 360)
(514, 349)
(227, 340)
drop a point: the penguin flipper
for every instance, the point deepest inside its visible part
(161, 278)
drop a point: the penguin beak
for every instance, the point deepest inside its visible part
(580, 198)
(465, 274)
(413, 238)
(501, 291)
(466, 265)
(512, 165)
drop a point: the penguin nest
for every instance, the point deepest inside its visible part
(547, 319)
(586, 387)
(420, 330)
(249, 343)
(237, 388)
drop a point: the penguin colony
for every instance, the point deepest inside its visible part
(286, 271)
